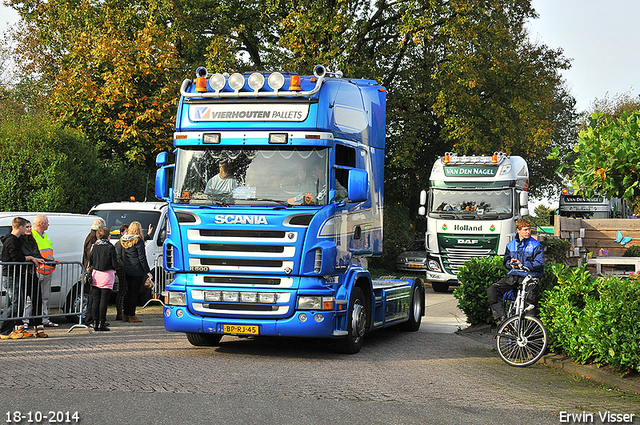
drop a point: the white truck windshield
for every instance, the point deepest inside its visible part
(471, 203)
(242, 176)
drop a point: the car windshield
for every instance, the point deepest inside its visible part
(471, 203)
(116, 218)
(241, 176)
(416, 246)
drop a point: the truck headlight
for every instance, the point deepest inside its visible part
(434, 266)
(315, 303)
(177, 298)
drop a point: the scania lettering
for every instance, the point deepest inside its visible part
(471, 208)
(275, 203)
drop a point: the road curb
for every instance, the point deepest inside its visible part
(601, 375)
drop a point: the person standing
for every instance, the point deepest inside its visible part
(17, 282)
(122, 281)
(88, 243)
(136, 269)
(40, 225)
(103, 262)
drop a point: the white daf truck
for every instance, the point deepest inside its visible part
(471, 208)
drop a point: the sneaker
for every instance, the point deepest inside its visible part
(39, 332)
(25, 324)
(51, 324)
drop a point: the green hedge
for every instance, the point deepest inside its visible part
(593, 320)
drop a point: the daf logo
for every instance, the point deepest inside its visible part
(467, 241)
(240, 219)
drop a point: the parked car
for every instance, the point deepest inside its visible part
(414, 258)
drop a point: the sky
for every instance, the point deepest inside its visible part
(601, 39)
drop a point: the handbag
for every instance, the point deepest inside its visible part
(148, 283)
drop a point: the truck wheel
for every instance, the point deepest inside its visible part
(72, 304)
(356, 324)
(440, 287)
(415, 314)
(204, 340)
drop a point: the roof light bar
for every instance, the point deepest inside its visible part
(255, 81)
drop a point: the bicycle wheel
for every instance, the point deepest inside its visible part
(524, 349)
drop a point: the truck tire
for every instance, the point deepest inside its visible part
(415, 313)
(439, 287)
(357, 320)
(204, 340)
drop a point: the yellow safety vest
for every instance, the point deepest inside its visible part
(46, 250)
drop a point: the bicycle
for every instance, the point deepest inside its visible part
(521, 339)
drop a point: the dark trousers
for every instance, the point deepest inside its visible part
(134, 283)
(496, 291)
(122, 290)
(99, 303)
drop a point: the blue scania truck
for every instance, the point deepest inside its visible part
(275, 203)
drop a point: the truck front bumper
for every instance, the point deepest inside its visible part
(311, 324)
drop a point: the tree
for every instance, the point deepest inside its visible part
(608, 154)
(461, 75)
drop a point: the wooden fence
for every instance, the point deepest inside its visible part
(596, 234)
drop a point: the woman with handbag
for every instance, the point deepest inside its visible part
(136, 269)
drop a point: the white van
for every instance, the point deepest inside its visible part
(115, 214)
(67, 232)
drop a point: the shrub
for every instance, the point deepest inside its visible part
(632, 251)
(555, 250)
(475, 276)
(594, 320)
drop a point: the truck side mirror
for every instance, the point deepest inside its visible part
(423, 197)
(358, 185)
(524, 203)
(162, 183)
(162, 159)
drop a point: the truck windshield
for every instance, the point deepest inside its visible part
(471, 203)
(242, 176)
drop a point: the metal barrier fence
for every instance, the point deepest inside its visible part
(160, 279)
(61, 293)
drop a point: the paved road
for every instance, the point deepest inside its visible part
(140, 374)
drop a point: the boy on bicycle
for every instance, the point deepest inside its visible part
(522, 251)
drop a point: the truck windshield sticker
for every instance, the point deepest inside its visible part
(243, 112)
(470, 171)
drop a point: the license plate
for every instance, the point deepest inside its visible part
(241, 329)
(414, 266)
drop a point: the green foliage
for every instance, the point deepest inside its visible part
(555, 250)
(608, 154)
(594, 320)
(46, 167)
(476, 275)
(397, 236)
(632, 251)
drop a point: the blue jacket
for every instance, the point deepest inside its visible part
(529, 252)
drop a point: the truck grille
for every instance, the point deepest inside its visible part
(454, 258)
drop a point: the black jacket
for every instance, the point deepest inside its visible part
(135, 259)
(103, 257)
(12, 253)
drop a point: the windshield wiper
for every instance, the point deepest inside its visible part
(277, 201)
